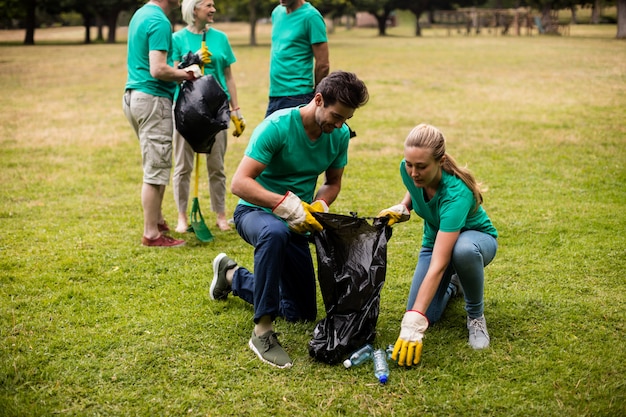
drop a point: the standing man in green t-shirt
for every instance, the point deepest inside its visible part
(299, 54)
(147, 105)
(276, 181)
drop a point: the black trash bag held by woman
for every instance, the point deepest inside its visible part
(352, 263)
(201, 110)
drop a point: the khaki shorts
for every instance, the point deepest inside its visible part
(151, 118)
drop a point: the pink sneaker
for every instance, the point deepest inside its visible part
(163, 241)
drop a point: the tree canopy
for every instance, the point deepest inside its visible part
(29, 13)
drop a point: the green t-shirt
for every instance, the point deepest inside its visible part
(148, 30)
(291, 56)
(222, 55)
(450, 210)
(293, 161)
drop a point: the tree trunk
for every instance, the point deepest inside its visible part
(111, 20)
(87, 33)
(252, 20)
(382, 24)
(100, 24)
(621, 19)
(417, 8)
(574, 17)
(87, 22)
(596, 10)
(31, 18)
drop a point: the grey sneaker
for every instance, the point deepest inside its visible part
(219, 286)
(478, 336)
(268, 349)
(455, 286)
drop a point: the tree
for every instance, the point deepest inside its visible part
(417, 8)
(106, 11)
(251, 11)
(31, 7)
(596, 11)
(11, 11)
(380, 9)
(109, 10)
(87, 11)
(621, 19)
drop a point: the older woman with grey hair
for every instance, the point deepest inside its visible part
(198, 14)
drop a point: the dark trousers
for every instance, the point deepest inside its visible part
(283, 282)
(277, 103)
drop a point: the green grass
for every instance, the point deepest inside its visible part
(91, 323)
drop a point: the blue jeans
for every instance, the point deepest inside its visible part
(283, 283)
(277, 103)
(472, 252)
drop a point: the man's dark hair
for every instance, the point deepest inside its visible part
(343, 87)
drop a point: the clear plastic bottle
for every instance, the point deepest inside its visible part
(381, 370)
(389, 351)
(359, 356)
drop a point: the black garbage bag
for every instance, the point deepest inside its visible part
(352, 263)
(201, 111)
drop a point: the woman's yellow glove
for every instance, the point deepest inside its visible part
(204, 54)
(396, 214)
(408, 348)
(238, 122)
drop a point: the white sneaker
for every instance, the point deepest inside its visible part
(478, 336)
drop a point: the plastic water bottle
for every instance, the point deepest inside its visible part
(359, 356)
(389, 351)
(381, 370)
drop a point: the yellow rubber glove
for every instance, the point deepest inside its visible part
(408, 348)
(238, 122)
(310, 224)
(204, 54)
(396, 214)
(319, 206)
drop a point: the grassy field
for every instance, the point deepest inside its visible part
(92, 323)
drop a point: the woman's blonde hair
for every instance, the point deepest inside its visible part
(429, 137)
(187, 8)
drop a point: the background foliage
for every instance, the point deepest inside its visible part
(32, 14)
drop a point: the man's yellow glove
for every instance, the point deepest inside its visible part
(319, 206)
(238, 122)
(310, 224)
(297, 214)
(408, 348)
(396, 214)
